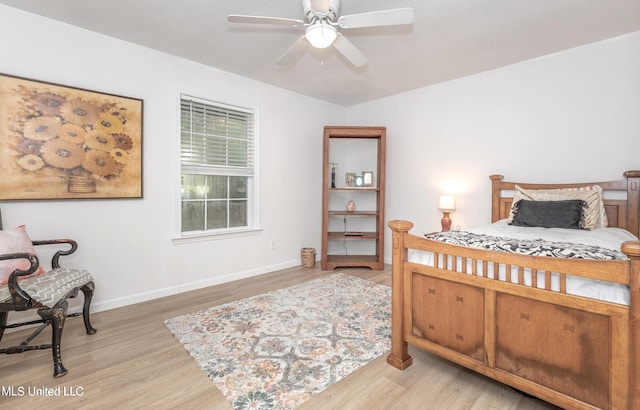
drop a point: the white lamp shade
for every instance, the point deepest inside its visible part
(321, 35)
(447, 202)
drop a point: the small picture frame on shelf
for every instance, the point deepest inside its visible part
(350, 179)
(359, 181)
(367, 177)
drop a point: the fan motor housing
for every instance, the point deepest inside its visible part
(310, 14)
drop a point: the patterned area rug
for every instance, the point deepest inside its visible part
(278, 349)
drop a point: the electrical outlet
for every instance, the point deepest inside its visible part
(272, 244)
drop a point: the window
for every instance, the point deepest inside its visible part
(217, 167)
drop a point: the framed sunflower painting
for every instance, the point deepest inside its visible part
(59, 142)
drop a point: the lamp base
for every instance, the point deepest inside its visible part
(445, 221)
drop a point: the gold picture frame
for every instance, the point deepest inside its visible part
(61, 142)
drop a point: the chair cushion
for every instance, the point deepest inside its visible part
(52, 286)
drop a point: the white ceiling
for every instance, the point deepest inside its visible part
(448, 39)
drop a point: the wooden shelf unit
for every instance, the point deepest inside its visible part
(368, 248)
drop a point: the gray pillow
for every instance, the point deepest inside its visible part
(567, 214)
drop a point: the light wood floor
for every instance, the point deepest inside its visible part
(134, 362)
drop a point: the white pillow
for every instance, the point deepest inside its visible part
(15, 240)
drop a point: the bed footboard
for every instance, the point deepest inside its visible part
(572, 351)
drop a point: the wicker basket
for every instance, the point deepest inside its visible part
(308, 257)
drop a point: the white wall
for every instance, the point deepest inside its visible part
(570, 116)
(126, 244)
(544, 119)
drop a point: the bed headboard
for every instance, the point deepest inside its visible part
(622, 211)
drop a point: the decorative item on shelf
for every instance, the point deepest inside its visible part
(359, 182)
(351, 206)
(350, 178)
(333, 173)
(367, 178)
(446, 204)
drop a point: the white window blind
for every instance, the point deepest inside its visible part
(216, 138)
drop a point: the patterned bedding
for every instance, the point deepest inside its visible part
(530, 247)
(601, 243)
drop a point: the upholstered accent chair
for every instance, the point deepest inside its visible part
(25, 285)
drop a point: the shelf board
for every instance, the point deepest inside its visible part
(340, 235)
(359, 258)
(364, 188)
(355, 213)
(344, 261)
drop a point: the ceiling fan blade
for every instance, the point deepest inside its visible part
(320, 6)
(235, 18)
(377, 18)
(294, 52)
(351, 52)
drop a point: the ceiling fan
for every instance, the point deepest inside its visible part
(321, 22)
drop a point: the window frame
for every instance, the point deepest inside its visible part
(253, 221)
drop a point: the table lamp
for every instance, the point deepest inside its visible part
(446, 204)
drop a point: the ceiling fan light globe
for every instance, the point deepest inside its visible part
(321, 35)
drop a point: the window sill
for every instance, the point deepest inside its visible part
(213, 236)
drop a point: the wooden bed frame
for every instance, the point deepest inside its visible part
(571, 351)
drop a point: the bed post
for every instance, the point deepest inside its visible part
(495, 196)
(633, 201)
(399, 356)
(632, 250)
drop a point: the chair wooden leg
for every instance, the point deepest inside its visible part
(3, 322)
(87, 290)
(57, 316)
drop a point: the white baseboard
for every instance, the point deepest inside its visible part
(154, 294)
(186, 287)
